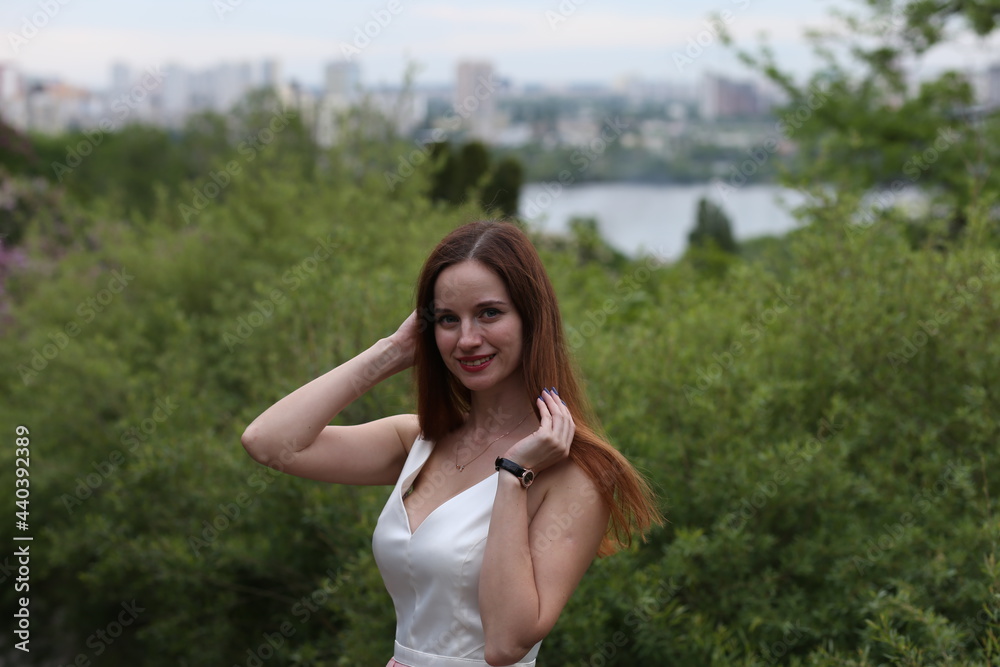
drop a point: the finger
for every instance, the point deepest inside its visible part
(556, 398)
(552, 399)
(544, 414)
(558, 406)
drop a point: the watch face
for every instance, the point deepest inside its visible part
(527, 478)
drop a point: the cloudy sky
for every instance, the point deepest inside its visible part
(548, 41)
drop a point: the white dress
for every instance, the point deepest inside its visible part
(432, 574)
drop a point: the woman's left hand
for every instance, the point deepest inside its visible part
(551, 443)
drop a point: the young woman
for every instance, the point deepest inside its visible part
(504, 491)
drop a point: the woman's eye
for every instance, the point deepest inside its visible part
(491, 312)
(447, 319)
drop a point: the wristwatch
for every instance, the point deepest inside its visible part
(526, 476)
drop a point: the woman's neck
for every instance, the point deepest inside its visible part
(500, 409)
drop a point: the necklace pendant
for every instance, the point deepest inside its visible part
(460, 468)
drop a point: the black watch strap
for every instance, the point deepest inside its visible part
(526, 476)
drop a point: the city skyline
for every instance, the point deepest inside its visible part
(565, 42)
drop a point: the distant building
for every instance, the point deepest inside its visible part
(177, 95)
(342, 80)
(992, 88)
(56, 107)
(228, 84)
(725, 98)
(121, 79)
(406, 109)
(475, 98)
(271, 75)
(341, 89)
(13, 107)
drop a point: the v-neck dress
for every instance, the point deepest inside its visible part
(432, 573)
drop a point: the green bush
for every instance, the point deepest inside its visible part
(821, 429)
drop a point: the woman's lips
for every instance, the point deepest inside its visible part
(476, 364)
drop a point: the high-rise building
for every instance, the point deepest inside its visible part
(228, 85)
(13, 109)
(725, 98)
(342, 79)
(271, 75)
(176, 94)
(992, 88)
(121, 79)
(475, 97)
(342, 87)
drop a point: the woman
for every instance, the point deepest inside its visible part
(504, 492)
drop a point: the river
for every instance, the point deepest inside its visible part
(656, 219)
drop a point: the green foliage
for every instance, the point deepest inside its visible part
(820, 421)
(711, 246)
(475, 164)
(862, 123)
(820, 433)
(454, 177)
(712, 226)
(16, 152)
(502, 193)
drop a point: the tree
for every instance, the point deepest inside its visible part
(712, 226)
(444, 182)
(503, 190)
(16, 152)
(457, 174)
(474, 159)
(862, 124)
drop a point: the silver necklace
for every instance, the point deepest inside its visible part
(461, 468)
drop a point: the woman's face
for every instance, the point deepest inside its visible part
(477, 329)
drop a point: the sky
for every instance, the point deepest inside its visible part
(528, 42)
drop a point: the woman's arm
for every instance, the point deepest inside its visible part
(293, 435)
(530, 569)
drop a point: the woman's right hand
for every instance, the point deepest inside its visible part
(405, 339)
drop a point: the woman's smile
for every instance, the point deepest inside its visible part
(476, 364)
(478, 331)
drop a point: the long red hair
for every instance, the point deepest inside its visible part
(442, 401)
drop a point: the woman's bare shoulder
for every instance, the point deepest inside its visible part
(568, 482)
(408, 428)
